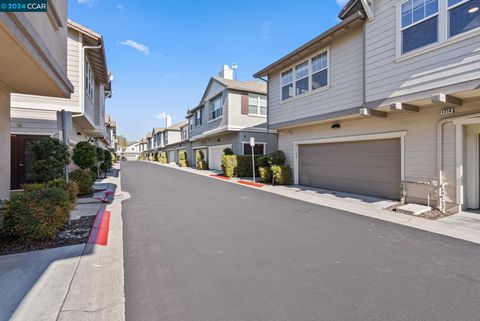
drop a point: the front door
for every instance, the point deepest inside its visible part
(21, 171)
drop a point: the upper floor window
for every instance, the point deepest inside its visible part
(425, 22)
(190, 123)
(309, 75)
(287, 84)
(184, 134)
(89, 80)
(419, 24)
(463, 16)
(198, 118)
(217, 107)
(257, 105)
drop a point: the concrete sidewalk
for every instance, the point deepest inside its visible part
(464, 226)
(79, 282)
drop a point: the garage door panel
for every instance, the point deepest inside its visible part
(365, 167)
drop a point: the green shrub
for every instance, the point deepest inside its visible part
(265, 174)
(71, 187)
(107, 163)
(227, 151)
(84, 180)
(282, 175)
(163, 158)
(263, 161)
(202, 165)
(85, 155)
(182, 159)
(237, 165)
(36, 214)
(199, 155)
(277, 158)
(50, 157)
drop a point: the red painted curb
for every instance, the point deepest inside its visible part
(251, 184)
(220, 176)
(100, 228)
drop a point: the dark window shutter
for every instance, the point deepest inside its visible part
(244, 104)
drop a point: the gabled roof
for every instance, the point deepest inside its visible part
(315, 44)
(252, 86)
(97, 57)
(178, 125)
(149, 135)
(156, 130)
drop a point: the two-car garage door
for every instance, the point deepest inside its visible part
(371, 167)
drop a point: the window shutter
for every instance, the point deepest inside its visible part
(244, 104)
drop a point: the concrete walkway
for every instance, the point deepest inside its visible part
(464, 226)
(79, 282)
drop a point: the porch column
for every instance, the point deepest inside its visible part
(459, 164)
(4, 143)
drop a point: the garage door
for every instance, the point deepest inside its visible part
(215, 154)
(370, 167)
(171, 156)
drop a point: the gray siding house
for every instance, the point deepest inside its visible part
(229, 113)
(385, 103)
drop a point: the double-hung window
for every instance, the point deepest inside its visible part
(217, 107)
(89, 79)
(301, 78)
(190, 123)
(419, 24)
(198, 118)
(463, 16)
(257, 105)
(287, 84)
(306, 76)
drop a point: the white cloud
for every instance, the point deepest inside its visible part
(342, 2)
(87, 2)
(135, 45)
(161, 116)
(120, 6)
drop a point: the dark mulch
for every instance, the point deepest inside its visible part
(75, 233)
(430, 215)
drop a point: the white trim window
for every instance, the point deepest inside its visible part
(190, 123)
(198, 118)
(217, 107)
(419, 24)
(257, 105)
(311, 74)
(463, 16)
(259, 149)
(320, 71)
(89, 80)
(287, 84)
(301, 78)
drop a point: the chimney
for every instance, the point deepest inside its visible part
(226, 72)
(168, 121)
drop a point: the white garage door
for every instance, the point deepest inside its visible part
(171, 156)
(365, 167)
(215, 156)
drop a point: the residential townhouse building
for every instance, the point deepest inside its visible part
(133, 151)
(385, 103)
(158, 139)
(111, 129)
(35, 116)
(176, 140)
(229, 113)
(149, 145)
(33, 60)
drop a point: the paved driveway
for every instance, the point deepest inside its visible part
(200, 249)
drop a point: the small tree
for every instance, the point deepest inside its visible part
(85, 155)
(100, 158)
(107, 162)
(50, 157)
(227, 151)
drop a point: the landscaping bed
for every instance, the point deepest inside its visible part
(75, 233)
(430, 215)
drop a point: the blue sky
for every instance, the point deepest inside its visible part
(163, 52)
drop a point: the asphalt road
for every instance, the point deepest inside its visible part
(200, 249)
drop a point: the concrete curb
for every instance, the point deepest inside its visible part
(438, 227)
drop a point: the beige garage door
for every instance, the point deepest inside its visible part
(370, 167)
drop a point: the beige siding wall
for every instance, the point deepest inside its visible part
(387, 78)
(420, 143)
(346, 91)
(33, 122)
(235, 116)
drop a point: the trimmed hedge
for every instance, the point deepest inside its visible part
(237, 165)
(202, 165)
(227, 151)
(37, 213)
(84, 180)
(85, 155)
(282, 175)
(277, 158)
(50, 157)
(265, 174)
(182, 159)
(163, 158)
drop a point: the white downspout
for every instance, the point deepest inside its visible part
(82, 77)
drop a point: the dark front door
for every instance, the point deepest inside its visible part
(21, 172)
